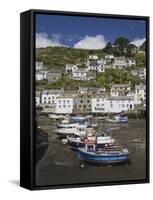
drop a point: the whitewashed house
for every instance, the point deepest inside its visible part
(41, 75)
(83, 90)
(120, 63)
(142, 73)
(99, 104)
(109, 56)
(82, 74)
(95, 64)
(39, 66)
(64, 104)
(120, 89)
(112, 104)
(140, 93)
(131, 62)
(49, 96)
(70, 68)
(120, 104)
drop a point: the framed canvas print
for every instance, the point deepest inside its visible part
(84, 99)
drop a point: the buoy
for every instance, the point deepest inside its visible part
(82, 165)
(64, 141)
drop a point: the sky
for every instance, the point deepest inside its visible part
(86, 32)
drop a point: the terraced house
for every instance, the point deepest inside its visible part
(64, 104)
(82, 104)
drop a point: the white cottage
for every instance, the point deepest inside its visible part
(120, 63)
(140, 93)
(120, 89)
(95, 64)
(70, 68)
(142, 73)
(64, 104)
(50, 96)
(41, 75)
(120, 104)
(99, 104)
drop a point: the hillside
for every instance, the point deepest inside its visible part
(58, 57)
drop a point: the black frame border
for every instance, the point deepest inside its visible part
(27, 97)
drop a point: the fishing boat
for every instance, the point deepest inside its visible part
(118, 119)
(66, 123)
(101, 141)
(78, 130)
(71, 122)
(56, 117)
(90, 153)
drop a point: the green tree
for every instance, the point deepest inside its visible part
(121, 45)
(108, 49)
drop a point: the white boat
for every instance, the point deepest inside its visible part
(118, 119)
(99, 141)
(67, 124)
(71, 122)
(79, 130)
(56, 117)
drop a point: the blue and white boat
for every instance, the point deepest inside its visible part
(103, 156)
(121, 118)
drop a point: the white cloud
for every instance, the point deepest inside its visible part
(138, 41)
(43, 40)
(91, 42)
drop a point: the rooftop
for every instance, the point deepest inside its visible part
(121, 98)
(56, 91)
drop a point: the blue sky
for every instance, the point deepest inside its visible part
(86, 32)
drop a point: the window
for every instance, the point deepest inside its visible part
(97, 105)
(97, 100)
(127, 105)
(122, 105)
(64, 101)
(68, 101)
(84, 106)
(64, 106)
(111, 105)
(44, 101)
(59, 106)
(44, 97)
(89, 105)
(81, 101)
(49, 102)
(88, 101)
(59, 101)
(130, 106)
(49, 98)
(69, 106)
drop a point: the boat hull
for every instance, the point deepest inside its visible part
(105, 159)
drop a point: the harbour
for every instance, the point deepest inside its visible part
(59, 159)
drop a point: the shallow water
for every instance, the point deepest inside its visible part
(60, 165)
